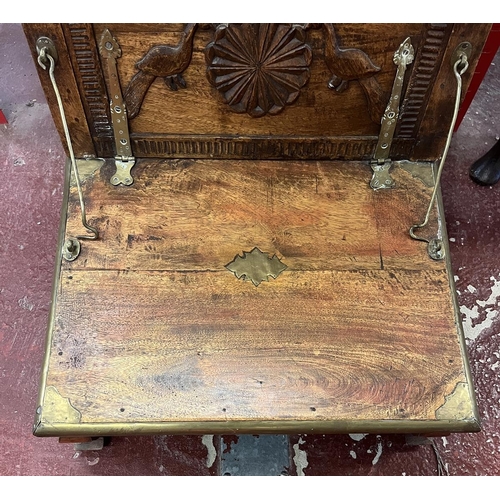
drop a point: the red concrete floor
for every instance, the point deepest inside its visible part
(31, 172)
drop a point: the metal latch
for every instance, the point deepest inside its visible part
(460, 64)
(381, 163)
(47, 59)
(124, 160)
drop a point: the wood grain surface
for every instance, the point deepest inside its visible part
(195, 214)
(204, 346)
(150, 326)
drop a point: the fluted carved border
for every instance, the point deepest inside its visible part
(277, 147)
(81, 43)
(423, 76)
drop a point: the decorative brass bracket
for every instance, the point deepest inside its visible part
(381, 163)
(381, 178)
(457, 405)
(256, 266)
(56, 409)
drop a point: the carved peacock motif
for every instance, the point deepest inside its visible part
(165, 61)
(350, 64)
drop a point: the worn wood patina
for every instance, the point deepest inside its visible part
(150, 327)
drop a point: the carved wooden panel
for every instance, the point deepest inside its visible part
(181, 146)
(199, 110)
(257, 68)
(342, 76)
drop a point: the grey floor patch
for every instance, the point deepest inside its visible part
(265, 455)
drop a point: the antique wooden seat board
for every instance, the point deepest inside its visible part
(250, 274)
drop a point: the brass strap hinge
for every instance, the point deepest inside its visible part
(381, 163)
(124, 160)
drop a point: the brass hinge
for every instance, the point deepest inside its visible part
(124, 160)
(381, 163)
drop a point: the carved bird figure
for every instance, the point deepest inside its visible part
(165, 61)
(353, 64)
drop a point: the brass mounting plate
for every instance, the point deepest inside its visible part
(381, 178)
(71, 249)
(463, 48)
(122, 174)
(46, 43)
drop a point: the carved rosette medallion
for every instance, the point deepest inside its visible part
(258, 68)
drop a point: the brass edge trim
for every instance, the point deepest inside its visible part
(257, 427)
(55, 283)
(456, 308)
